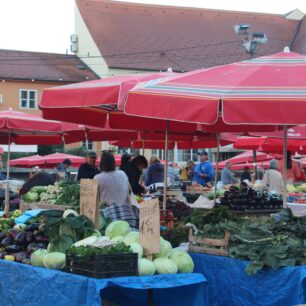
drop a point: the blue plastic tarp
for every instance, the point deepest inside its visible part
(28, 215)
(30, 286)
(282, 287)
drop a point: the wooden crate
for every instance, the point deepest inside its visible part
(212, 246)
(40, 205)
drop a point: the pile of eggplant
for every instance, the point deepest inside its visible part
(21, 241)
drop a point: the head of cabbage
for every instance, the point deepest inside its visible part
(117, 228)
(183, 260)
(145, 267)
(137, 248)
(165, 266)
(165, 248)
(37, 257)
(55, 260)
(131, 238)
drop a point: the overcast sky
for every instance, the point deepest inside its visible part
(46, 25)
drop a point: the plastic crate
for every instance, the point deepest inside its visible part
(103, 266)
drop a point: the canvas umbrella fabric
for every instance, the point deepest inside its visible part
(25, 162)
(261, 91)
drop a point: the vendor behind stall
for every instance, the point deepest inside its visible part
(39, 178)
(64, 167)
(89, 169)
(188, 171)
(272, 180)
(227, 176)
(246, 175)
(204, 171)
(134, 170)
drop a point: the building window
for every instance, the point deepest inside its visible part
(28, 98)
(1, 99)
(90, 145)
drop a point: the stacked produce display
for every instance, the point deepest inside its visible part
(63, 193)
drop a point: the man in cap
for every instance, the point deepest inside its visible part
(89, 169)
(204, 171)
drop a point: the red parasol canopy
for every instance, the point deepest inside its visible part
(25, 162)
(91, 98)
(262, 91)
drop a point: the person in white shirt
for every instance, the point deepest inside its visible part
(272, 180)
(113, 184)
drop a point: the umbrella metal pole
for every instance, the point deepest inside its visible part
(7, 191)
(285, 168)
(166, 167)
(217, 167)
(255, 164)
(86, 141)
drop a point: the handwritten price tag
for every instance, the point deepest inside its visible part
(149, 227)
(89, 202)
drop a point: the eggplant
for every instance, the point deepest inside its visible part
(32, 247)
(20, 256)
(41, 238)
(13, 248)
(29, 238)
(32, 227)
(12, 233)
(6, 241)
(20, 238)
(2, 255)
(2, 236)
(26, 261)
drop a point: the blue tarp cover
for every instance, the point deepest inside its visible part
(229, 285)
(30, 286)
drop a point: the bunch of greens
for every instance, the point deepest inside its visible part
(90, 251)
(70, 195)
(176, 235)
(63, 232)
(268, 242)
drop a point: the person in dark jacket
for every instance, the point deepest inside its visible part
(134, 171)
(125, 159)
(155, 173)
(89, 169)
(38, 179)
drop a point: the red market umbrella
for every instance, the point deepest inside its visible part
(52, 160)
(25, 162)
(92, 99)
(272, 145)
(247, 157)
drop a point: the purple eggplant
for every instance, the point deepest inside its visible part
(13, 248)
(32, 227)
(41, 238)
(32, 247)
(6, 241)
(20, 256)
(20, 238)
(12, 233)
(2, 255)
(2, 236)
(29, 238)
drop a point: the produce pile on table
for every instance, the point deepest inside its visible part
(46, 239)
(63, 193)
(264, 241)
(178, 208)
(250, 199)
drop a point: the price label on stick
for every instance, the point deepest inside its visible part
(89, 200)
(149, 227)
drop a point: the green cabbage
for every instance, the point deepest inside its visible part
(131, 238)
(55, 260)
(30, 197)
(117, 228)
(137, 248)
(165, 266)
(165, 248)
(37, 257)
(183, 260)
(145, 267)
(118, 239)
